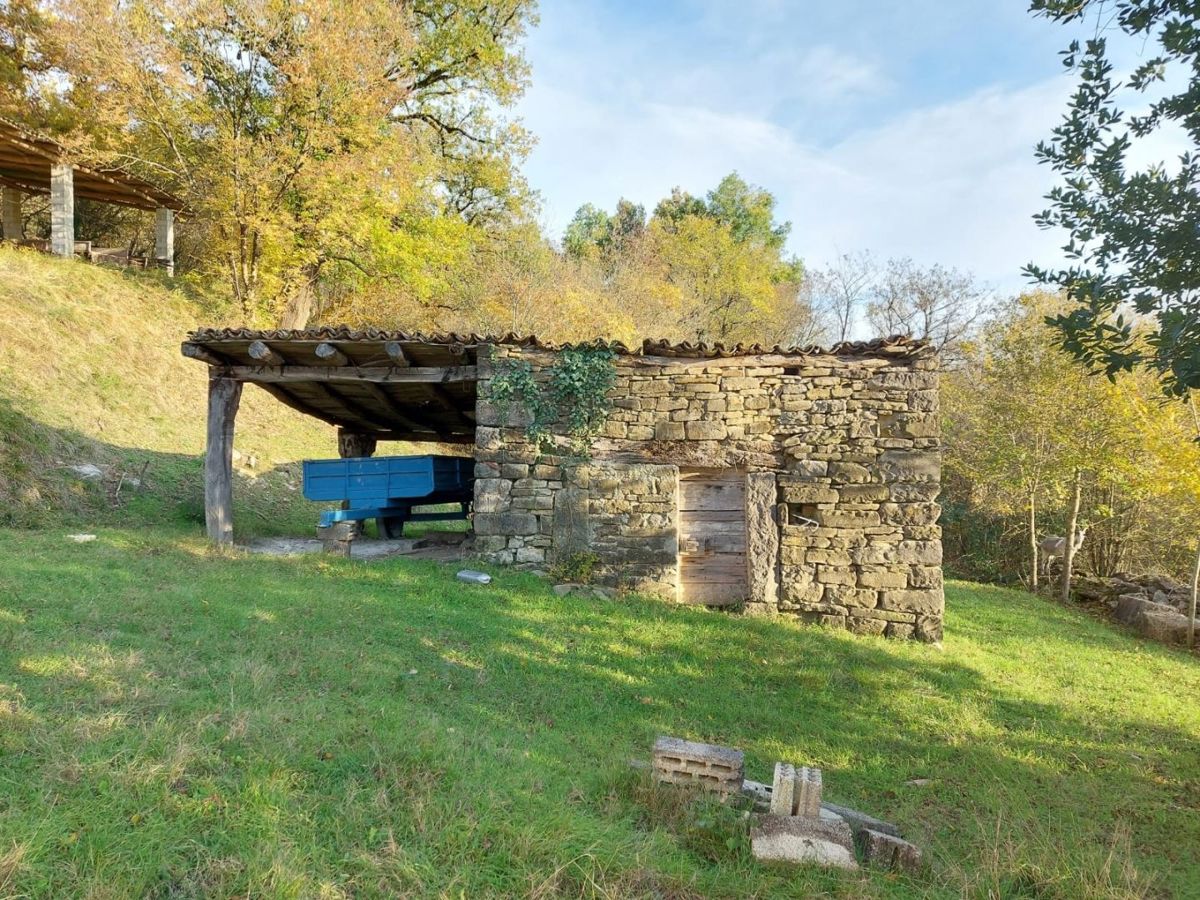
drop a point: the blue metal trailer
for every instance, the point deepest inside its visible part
(386, 488)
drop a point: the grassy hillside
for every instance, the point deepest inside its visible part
(176, 722)
(90, 372)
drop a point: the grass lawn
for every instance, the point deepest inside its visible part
(176, 723)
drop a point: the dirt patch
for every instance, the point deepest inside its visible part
(425, 547)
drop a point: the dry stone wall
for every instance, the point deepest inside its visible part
(841, 456)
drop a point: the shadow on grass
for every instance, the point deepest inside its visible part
(504, 716)
(38, 487)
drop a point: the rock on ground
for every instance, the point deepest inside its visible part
(796, 839)
(886, 851)
(858, 821)
(1167, 626)
(1130, 607)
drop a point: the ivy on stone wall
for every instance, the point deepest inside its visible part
(572, 398)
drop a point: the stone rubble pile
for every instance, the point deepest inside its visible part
(1153, 604)
(792, 824)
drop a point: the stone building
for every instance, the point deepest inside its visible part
(796, 482)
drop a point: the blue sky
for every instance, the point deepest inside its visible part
(904, 128)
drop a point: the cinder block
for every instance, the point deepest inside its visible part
(796, 791)
(783, 790)
(709, 766)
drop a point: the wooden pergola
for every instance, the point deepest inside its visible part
(371, 385)
(34, 164)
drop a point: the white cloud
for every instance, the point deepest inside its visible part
(954, 183)
(855, 161)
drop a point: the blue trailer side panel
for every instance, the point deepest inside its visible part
(368, 478)
(387, 487)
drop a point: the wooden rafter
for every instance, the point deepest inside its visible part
(330, 355)
(406, 416)
(285, 374)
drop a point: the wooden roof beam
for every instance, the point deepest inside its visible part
(447, 403)
(396, 354)
(289, 374)
(196, 351)
(330, 355)
(416, 421)
(258, 350)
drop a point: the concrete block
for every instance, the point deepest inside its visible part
(858, 820)
(887, 851)
(708, 766)
(819, 841)
(796, 791)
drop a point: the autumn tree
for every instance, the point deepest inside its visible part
(312, 146)
(460, 71)
(935, 304)
(1133, 249)
(707, 269)
(1026, 427)
(26, 59)
(841, 290)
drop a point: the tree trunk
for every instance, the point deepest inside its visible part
(1033, 541)
(1072, 527)
(302, 304)
(1192, 603)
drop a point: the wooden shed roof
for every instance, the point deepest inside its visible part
(421, 387)
(26, 158)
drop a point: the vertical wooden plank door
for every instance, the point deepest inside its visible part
(712, 537)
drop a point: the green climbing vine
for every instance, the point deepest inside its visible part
(573, 395)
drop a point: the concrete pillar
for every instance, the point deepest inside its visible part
(164, 238)
(62, 210)
(14, 226)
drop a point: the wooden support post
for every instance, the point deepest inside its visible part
(353, 444)
(224, 396)
(14, 224)
(62, 210)
(164, 238)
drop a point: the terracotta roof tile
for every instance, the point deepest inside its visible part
(896, 345)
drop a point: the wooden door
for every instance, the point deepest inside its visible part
(712, 537)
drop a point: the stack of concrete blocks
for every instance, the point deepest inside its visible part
(797, 829)
(680, 762)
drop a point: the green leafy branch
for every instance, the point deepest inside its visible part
(574, 396)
